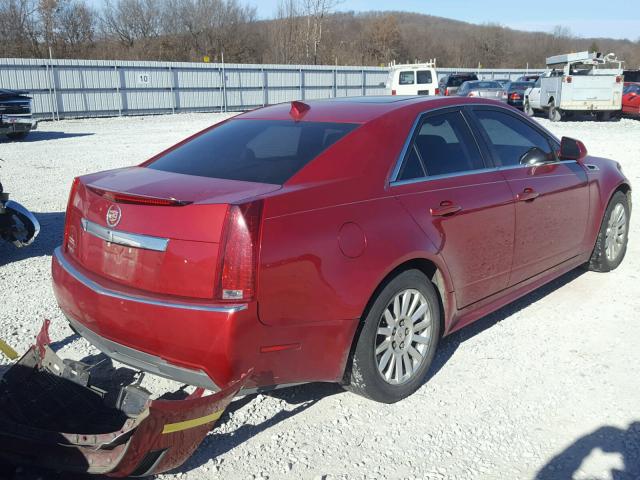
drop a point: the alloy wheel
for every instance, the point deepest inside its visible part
(404, 336)
(616, 232)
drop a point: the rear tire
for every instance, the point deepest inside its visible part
(398, 340)
(611, 244)
(603, 116)
(17, 135)
(555, 114)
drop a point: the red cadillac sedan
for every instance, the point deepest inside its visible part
(335, 240)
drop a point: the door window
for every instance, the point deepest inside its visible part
(443, 145)
(510, 138)
(407, 78)
(424, 76)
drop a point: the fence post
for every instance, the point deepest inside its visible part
(364, 83)
(118, 95)
(172, 87)
(335, 83)
(301, 81)
(264, 87)
(53, 115)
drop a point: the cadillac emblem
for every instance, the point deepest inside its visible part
(114, 214)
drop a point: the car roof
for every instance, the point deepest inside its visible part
(358, 109)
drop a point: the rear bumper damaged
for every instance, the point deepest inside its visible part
(55, 414)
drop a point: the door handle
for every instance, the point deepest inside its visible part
(446, 208)
(527, 195)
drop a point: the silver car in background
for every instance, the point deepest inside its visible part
(484, 89)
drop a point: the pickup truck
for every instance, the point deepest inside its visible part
(15, 114)
(577, 83)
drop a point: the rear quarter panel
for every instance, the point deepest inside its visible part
(334, 232)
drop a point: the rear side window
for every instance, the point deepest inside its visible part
(424, 76)
(510, 138)
(457, 80)
(407, 78)
(264, 151)
(443, 145)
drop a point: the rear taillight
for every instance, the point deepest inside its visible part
(446, 92)
(437, 91)
(473, 94)
(119, 197)
(67, 218)
(393, 92)
(618, 79)
(567, 79)
(239, 252)
(515, 96)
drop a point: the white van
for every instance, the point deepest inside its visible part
(413, 79)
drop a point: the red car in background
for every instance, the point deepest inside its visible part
(631, 99)
(335, 240)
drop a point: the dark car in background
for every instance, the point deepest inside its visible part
(15, 114)
(483, 88)
(502, 81)
(449, 84)
(529, 78)
(515, 93)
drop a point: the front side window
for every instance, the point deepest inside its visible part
(407, 78)
(511, 138)
(442, 145)
(264, 151)
(424, 76)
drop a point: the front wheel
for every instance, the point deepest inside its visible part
(398, 340)
(528, 110)
(611, 244)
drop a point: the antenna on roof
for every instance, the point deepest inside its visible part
(298, 110)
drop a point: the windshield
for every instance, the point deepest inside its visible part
(264, 151)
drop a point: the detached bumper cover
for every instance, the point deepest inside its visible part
(121, 433)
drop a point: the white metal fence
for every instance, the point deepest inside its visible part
(82, 88)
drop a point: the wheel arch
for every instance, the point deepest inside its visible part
(432, 271)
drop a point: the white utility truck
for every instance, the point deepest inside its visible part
(577, 83)
(413, 79)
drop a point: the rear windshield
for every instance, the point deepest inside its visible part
(424, 76)
(263, 151)
(520, 85)
(459, 80)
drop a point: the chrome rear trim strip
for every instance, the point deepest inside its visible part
(134, 240)
(143, 361)
(107, 292)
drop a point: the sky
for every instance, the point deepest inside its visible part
(586, 18)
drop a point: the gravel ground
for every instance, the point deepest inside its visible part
(548, 386)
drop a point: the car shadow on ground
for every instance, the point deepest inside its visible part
(50, 237)
(217, 444)
(450, 344)
(39, 136)
(607, 439)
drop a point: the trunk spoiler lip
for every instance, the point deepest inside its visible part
(136, 198)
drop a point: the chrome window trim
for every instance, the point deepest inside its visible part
(107, 292)
(396, 169)
(126, 239)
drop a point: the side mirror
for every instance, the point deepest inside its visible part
(572, 149)
(534, 156)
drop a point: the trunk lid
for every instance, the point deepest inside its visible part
(153, 230)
